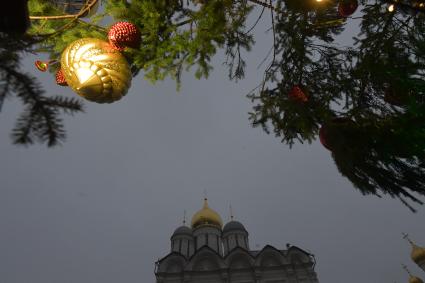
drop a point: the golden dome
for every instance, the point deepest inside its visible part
(414, 279)
(417, 254)
(206, 216)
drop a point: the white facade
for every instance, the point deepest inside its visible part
(208, 254)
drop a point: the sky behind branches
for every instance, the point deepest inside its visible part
(102, 207)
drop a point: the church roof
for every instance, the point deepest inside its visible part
(252, 259)
(182, 230)
(233, 225)
(414, 279)
(417, 254)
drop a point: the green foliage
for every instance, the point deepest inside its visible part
(381, 157)
(40, 120)
(377, 83)
(302, 57)
(175, 36)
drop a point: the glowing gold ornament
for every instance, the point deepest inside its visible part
(95, 70)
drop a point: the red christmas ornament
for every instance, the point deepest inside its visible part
(41, 66)
(323, 133)
(60, 78)
(331, 128)
(297, 94)
(347, 7)
(124, 34)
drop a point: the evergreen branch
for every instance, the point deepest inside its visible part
(80, 14)
(40, 119)
(264, 4)
(68, 105)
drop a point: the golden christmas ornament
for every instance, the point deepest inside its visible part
(95, 70)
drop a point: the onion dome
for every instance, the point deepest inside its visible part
(206, 216)
(182, 230)
(417, 254)
(233, 225)
(414, 279)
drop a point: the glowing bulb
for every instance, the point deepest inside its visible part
(391, 8)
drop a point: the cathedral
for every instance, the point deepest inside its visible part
(418, 256)
(208, 252)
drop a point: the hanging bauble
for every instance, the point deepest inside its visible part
(124, 34)
(60, 78)
(347, 7)
(41, 65)
(323, 134)
(95, 70)
(297, 94)
(330, 133)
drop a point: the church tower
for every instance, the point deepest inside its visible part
(417, 254)
(182, 241)
(206, 225)
(207, 252)
(234, 235)
(412, 278)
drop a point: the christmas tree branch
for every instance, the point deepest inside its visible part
(72, 16)
(264, 4)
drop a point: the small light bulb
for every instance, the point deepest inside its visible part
(391, 8)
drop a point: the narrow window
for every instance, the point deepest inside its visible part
(218, 244)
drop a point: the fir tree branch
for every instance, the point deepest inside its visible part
(81, 13)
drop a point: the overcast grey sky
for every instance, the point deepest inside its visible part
(102, 207)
